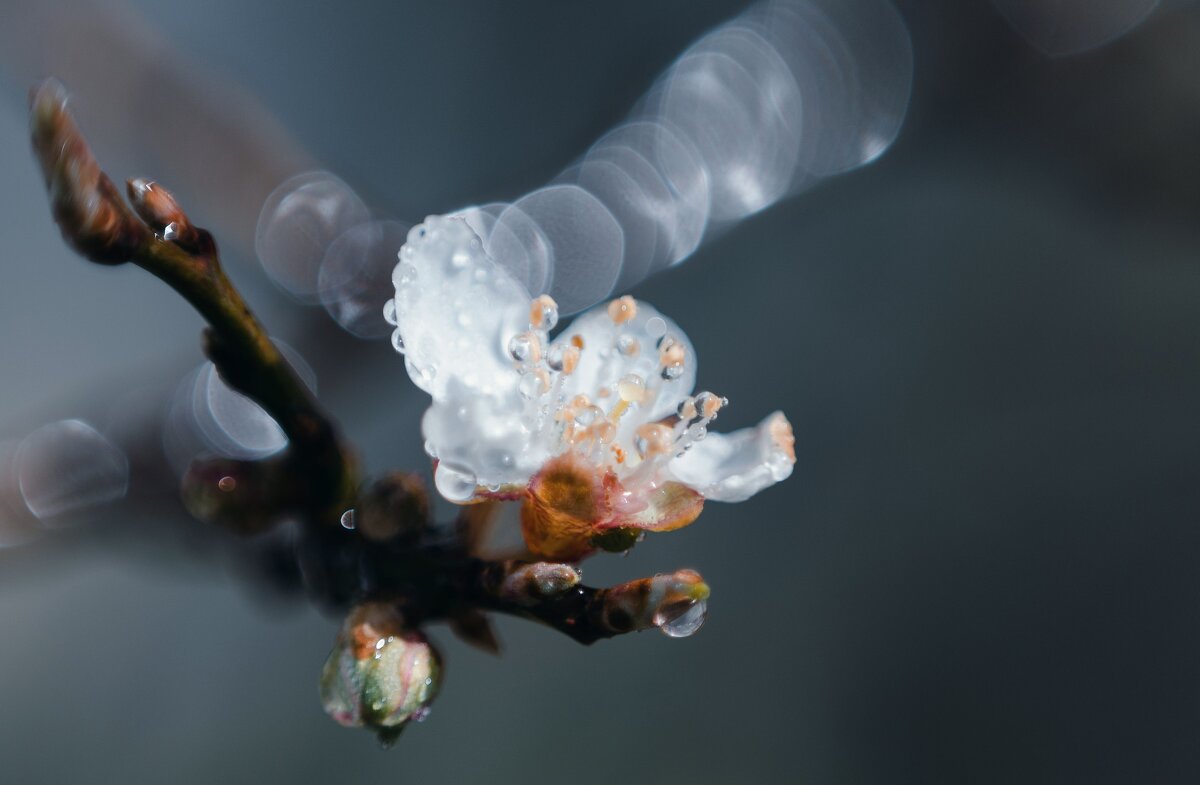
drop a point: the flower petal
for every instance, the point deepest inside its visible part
(456, 310)
(670, 506)
(480, 442)
(733, 467)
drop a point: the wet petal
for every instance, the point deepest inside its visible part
(456, 311)
(482, 438)
(733, 467)
(668, 507)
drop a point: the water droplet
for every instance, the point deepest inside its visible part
(628, 345)
(545, 316)
(397, 340)
(422, 375)
(631, 388)
(682, 619)
(406, 274)
(454, 482)
(708, 404)
(530, 386)
(523, 347)
(389, 312)
(655, 326)
(348, 520)
(672, 372)
(686, 409)
(588, 415)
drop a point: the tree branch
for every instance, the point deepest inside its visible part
(162, 240)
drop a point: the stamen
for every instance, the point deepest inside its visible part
(628, 345)
(543, 313)
(623, 309)
(705, 406)
(670, 356)
(632, 388)
(653, 438)
(709, 404)
(525, 348)
(687, 409)
(563, 359)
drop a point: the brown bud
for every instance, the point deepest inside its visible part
(158, 208)
(394, 506)
(86, 205)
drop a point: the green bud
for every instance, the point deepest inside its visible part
(380, 673)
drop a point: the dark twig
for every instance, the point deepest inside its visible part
(162, 240)
(373, 551)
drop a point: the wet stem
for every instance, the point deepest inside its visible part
(250, 363)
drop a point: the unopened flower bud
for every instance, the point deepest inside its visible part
(85, 203)
(380, 674)
(530, 584)
(158, 208)
(676, 603)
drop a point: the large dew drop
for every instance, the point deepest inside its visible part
(682, 620)
(454, 483)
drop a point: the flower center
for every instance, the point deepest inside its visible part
(606, 418)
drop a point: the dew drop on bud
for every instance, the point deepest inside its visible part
(682, 619)
(389, 312)
(627, 345)
(672, 372)
(397, 340)
(348, 520)
(455, 483)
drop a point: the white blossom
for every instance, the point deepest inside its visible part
(613, 391)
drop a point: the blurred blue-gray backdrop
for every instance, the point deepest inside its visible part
(983, 570)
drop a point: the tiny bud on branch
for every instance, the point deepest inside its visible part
(86, 205)
(158, 208)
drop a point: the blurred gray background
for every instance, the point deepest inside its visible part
(984, 569)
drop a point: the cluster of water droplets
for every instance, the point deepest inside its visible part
(612, 389)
